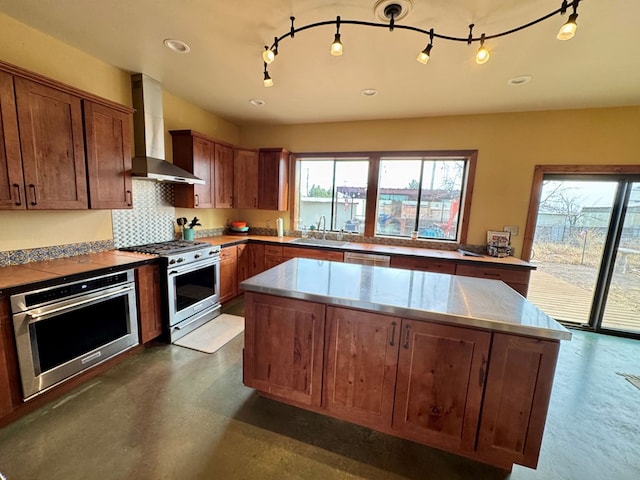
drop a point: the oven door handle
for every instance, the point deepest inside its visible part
(193, 266)
(73, 306)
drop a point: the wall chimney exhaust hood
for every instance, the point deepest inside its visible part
(148, 135)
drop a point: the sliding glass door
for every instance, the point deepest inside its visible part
(586, 247)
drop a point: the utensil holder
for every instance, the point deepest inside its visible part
(188, 234)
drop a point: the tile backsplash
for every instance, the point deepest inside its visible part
(150, 220)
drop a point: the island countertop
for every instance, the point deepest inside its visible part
(468, 301)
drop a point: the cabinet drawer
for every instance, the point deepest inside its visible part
(273, 250)
(313, 253)
(228, 253)
(423, 264)
(495, 273)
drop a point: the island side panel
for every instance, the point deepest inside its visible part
(517, 399)
(284, 344)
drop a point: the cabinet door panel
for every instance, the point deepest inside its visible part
(245, 178)
(284, 341)
(149, 302)
(517, 399)
(223, 176)
(360, 366)
(108, 156)
(423, 264)
(228, 273)
(441, 372)
(274, 179)
(52, 144)
(203, 168)
(11, 181)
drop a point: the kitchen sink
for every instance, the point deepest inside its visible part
(321, 242)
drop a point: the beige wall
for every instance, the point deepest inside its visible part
(30, 49)
(509, 147)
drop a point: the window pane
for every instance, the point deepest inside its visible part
(440, 199)
(433, 213)
(351, 196)
(398, 197)
(335, 188)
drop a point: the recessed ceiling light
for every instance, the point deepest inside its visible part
(257, 102)
(520, 80)
(369, 92)
(177, 45)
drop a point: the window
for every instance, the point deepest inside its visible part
(390, 194)
(333, 188)
(421, 195)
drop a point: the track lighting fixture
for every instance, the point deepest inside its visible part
(393, 11)
(268, 82)
(482, 55)
(336, 46)
(425, 55)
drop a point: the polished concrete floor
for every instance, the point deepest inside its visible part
(174, 413)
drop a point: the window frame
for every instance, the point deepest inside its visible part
(470, 157)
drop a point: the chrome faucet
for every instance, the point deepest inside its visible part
(323, 220)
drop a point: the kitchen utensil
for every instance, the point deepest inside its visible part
(239, 229)
(238, 223)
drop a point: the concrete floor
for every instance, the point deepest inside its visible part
(174, 413)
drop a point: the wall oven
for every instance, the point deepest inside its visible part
(65, 329)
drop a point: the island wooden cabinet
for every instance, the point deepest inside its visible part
(516, 399)
(441, 374)
(149, 293)
(245, 178)
(474, 392)
(228, 273)
(284, 340)
(361, 361)
(12, 187)
(52, 146)
(108, 141)
(273, 188)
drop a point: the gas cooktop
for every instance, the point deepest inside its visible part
(167, 248)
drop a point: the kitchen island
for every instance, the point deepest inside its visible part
(459, 363)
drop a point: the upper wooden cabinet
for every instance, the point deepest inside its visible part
(52, 145)
(245, 178)
(195, 154)
(108, 141)
(12, 195)
(273, 174)
(223, 176)
(209, 160)
(43, 134)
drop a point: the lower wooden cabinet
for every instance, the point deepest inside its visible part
(517, 398)
(272, 256)
(228, 273)
(441, 373)
(423, 264)
(6, 398)
(314, 253)
(360, 366)
(149, 292)
(250, 261)
(284, 340)
(516, 279)
(473, 392)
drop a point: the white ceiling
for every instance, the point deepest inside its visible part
(600, 67)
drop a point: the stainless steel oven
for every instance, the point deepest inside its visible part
(193, 295)
(63, 330)
(192, 283)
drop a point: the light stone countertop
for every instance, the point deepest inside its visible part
(457, 300)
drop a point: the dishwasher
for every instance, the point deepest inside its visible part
(367, 259)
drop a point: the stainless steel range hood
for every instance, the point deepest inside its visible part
(148, 135)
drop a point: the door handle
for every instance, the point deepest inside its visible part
(407, 335)
(129, 198)
(34, 193)
(393, 333)
(18, 196)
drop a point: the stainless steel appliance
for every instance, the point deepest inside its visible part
(192, 283)
(65, 329)
(367, 259)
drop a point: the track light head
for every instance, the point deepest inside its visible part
(482, 54)
(267, 81)
(268, 56)
(568, 30)
(425, 55)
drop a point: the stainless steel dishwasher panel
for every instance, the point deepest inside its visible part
(367, 259)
